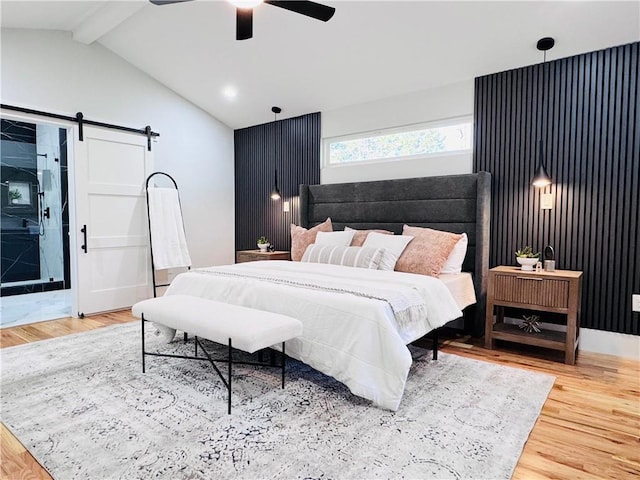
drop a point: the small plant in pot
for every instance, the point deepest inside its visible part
(14, 195)
(263, 243)
(526, 258)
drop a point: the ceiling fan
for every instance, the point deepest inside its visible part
(244, 12)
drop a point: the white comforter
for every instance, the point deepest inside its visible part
(354, 339)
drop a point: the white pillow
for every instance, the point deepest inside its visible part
(339, 239)
(361, 235)
(456, 257)
(393, 246)
(346, 256)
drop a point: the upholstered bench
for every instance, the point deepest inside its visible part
(238, 327)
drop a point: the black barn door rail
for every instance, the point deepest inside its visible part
(81, 121)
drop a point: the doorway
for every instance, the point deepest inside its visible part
(35, 275)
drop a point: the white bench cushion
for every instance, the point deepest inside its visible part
(249, 329)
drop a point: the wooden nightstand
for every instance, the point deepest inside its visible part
(256, 255)
(558, 291)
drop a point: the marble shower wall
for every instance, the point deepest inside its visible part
(51, 251)
(32, 171)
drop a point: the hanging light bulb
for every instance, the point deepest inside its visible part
(541, 177)
(275, 191)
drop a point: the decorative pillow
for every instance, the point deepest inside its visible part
(361, 235)
(301, 238)
(338, 239)
(393, 246)
(428, 252)
(361, 257)
(456, 257)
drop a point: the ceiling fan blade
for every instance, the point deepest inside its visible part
(244, 23)
(167, 2)
(310, 9)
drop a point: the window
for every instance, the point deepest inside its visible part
(414, 141)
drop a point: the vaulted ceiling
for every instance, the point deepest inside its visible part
(369, 50)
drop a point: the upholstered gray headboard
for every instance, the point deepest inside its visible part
(455, 203)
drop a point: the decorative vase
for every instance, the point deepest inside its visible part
(527, 263)
(263, 246)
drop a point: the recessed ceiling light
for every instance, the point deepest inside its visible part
(245, 3)
(230, 92)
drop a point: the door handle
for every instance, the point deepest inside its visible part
(530, 278)
(84, 233)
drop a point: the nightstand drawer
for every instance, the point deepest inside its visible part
(256, 255)
(532, 290)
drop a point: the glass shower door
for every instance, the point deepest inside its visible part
(33, 208)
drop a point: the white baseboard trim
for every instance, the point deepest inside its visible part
(599, 341)
(610, 343)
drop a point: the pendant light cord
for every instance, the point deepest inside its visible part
(275, 153)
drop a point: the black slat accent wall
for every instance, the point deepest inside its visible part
(589, 120)
(297, 156)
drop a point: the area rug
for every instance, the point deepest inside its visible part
(82, 407)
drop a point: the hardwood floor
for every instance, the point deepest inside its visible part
(589, 427)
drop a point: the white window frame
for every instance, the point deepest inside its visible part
(326, 142)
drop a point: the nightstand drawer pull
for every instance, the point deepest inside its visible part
(530, 278)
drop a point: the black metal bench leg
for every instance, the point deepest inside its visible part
(284, 357)
(143, 352)
(435, 345)
(230, 361)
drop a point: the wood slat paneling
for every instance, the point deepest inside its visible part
(297, 157)
(587, 117)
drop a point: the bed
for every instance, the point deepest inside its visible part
(357, 322)
(454, 203)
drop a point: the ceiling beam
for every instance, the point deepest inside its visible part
(105, 19)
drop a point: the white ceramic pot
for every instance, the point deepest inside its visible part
(263, 246)
(527, 264)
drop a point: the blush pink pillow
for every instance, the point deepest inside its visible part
(361, 235)
(428, 251)
(301, 238)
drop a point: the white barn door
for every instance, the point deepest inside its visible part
(111, 219)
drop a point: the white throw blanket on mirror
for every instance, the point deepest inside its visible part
(353, 338)
(167, 229)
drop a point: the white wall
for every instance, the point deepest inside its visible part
(445, 102)
(610, 343)
(47, 70)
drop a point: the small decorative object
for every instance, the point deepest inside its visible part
(263, 243)
(539, 267)
(19, 193)
(14, 195)
(530, 324)
(549, 259)
(526, 258)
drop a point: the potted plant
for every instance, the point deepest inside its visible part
(526, 258)
(14, 195)
(263, 243)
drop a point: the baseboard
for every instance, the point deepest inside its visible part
(610, 343)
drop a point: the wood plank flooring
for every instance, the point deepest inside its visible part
(589, 427)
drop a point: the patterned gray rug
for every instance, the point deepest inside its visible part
(82, 407)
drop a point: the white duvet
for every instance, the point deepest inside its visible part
(354, 339)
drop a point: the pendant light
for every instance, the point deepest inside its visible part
(275, 192)
(541, 177)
